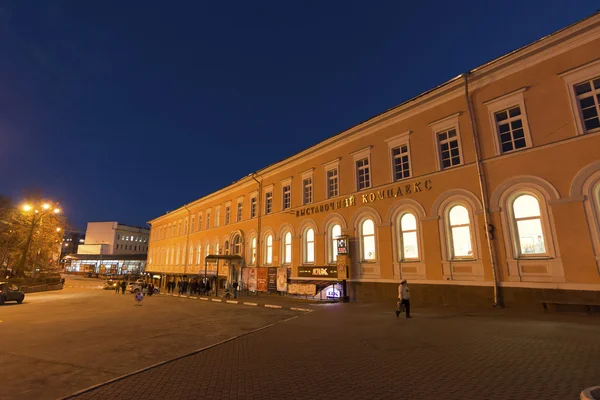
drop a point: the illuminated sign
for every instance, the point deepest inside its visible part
(317, 272)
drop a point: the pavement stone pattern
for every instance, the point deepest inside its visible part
(278, 302)
(359, 351)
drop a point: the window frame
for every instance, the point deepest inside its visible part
(394, 142)
(227, 214)
(268, 195)
(400, 254)
(286, 195)
(333, 165)
(359, 155)
(332, 242)
(361, 237)
(253, 207)
(574, 77)
(285, 251)
(450, 237)
(305, 244)
(506, 102)
(268, 246)
(514, 230)
(445, 124)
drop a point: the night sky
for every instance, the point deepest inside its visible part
(123, 110)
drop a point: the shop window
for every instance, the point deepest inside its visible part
(367, 232)
(461, 243)
(309, 246)
(528, 224)
(409, 244)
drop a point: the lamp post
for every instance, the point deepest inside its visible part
(37, 214)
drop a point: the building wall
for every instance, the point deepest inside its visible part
(560, 167)
(101, 233)
(118, 238)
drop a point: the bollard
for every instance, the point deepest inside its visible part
(591, 393)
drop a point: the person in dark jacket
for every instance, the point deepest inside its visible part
(123, 286)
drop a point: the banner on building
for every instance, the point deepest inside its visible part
(261, 279)
(282, 279)
(342, 245)
(272, 279)
(318, 272)
(245, 278)
(252, 286)
(305, 289)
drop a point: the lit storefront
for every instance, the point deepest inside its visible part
(106, 265)
(485, 189)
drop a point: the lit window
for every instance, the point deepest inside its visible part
(363, 174)
(309, 246)
(237, 245)
(368, 240)
(269, 250)
(332, 183)
(227, 247)
(287, 197)
(207, 250)
(253, 251)
(191, 256)
(509, 124)
(268, 202)
(401, 163)
(460, 232)
(307, 191)
(240, 208)
(449, 148)
(528, 222)
(287, 248)
(588, 99)
(199, 255)
(253, 207)
(227, 214)
(336, 232)
(409, 245)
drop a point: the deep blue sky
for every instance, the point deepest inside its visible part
(122, 112)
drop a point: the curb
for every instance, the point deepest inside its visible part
(240, 302)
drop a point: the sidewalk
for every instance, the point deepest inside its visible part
(362, 351)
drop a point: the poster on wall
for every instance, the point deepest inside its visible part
(282, 279)
(272, 279)
(245, 278)
(252, 279)
(261, 279)
(342, 245)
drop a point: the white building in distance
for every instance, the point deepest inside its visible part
(112, 238)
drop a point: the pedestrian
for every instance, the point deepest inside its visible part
(179, 286)
(235, 290)
(403, 299)
(150, 289)
(117, 288)
(123, 286)
(138, 296)
(62, 281)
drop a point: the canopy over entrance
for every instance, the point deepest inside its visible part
(228, 258)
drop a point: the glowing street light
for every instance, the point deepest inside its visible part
(46, 206)
(26, 207)
(56, 210)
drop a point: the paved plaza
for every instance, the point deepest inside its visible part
(82, 337)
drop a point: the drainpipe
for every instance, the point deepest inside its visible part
(483, 192)
(258, 215)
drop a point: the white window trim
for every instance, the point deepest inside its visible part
(283, 252)
(329, 240)
(397, 141)
(266, 246)
(441, 125)
(253, 195)
(305, 246)
(237, 205)
(217, 214)
(268, 189)
(308, 174)
(328, 166)
(359, 155)
(515, 98)
(286, 182)
(400, 237)
(572, 78)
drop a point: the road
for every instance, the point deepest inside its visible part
(56, 343)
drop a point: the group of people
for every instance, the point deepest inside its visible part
(195, 286)
(121, 287)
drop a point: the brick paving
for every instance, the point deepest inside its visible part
(357, 351)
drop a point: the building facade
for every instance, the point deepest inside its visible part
(485, 189)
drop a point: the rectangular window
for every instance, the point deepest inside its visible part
(185, 229)
(449, 149)
(240, 208)
(207, 220)
(199, 222)
(588, 100)
(400, 158)
(227, 214)
(307, 191)
(332, 183)
(363, 175)
(253, 207)
(217, 218)
(510, 129)
(287, 197)
(268, 202)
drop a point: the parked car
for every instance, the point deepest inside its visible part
(111, 285)
(134, 287)
(10, 292)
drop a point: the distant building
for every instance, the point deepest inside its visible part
(70, 243)
(110, 248)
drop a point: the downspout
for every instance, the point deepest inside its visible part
(483, 193)
(258, 215)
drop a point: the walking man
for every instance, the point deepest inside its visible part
(123, 286)
(404, 298)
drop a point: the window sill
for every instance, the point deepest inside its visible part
(534, 258)
(408, 261)
(368, 262)
(462, 259)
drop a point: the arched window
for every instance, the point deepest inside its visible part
(199, 255)
(217, 248)
(167, 257)
(177, 255)
(287, 248)
(269, 250)
(528, 222)
(191, 256)
(460, 232)
(309, 246)
(227, 247)
(237, 245)
(253, 251)
(368, 240)
(334, 233)
(409, 245)
(207, 250)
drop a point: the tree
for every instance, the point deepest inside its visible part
(30, 236)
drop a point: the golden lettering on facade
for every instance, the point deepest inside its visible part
(370, 197)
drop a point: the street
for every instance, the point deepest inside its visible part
(58, 343)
